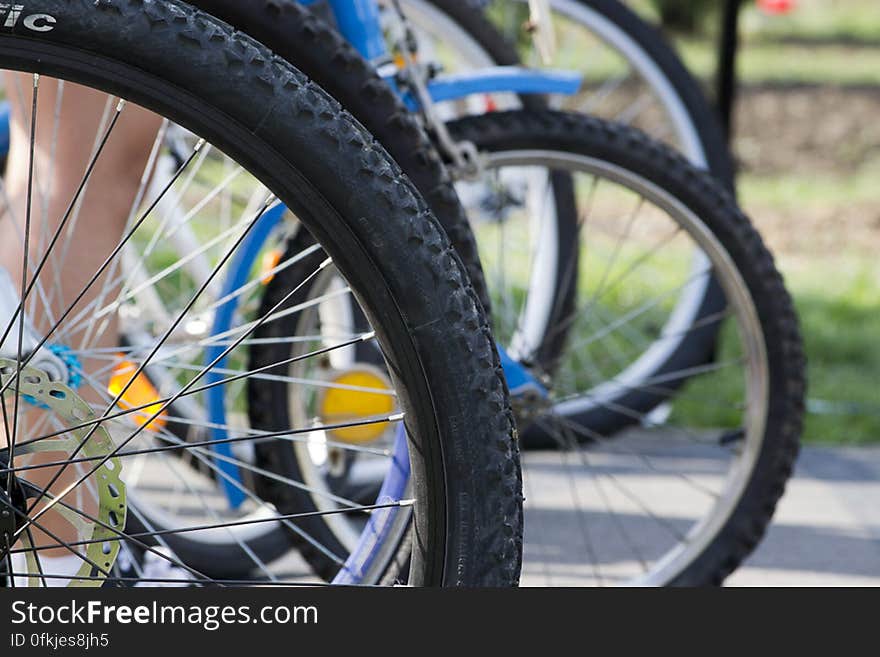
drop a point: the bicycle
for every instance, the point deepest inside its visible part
(306, 39)
(324, 56)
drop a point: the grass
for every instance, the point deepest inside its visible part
(842, 20)
(838, 299)
(766, 62)
(790, 192)
(837, 296)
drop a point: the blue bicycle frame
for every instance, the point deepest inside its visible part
(359, 22)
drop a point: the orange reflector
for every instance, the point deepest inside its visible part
(139, 395)
(270, 261)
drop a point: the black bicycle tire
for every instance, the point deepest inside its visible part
(661, 166)
(197, 71)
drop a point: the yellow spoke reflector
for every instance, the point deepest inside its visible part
(140, 393)
(338, 405)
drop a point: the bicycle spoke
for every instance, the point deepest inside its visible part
(402, 504)
(24, 278)
(263, 437)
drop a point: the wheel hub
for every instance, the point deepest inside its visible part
(12, 507)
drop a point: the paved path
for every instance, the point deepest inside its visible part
(827, 529)
(826, 533)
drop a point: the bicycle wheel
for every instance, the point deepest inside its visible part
(631, 76)
(325, 57)
(454, 444)
(673, 500)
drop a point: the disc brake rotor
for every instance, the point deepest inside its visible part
(100, 540)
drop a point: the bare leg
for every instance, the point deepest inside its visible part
(63, 150)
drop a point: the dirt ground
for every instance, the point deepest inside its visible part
(805, 139)
(808, 129)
